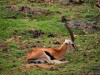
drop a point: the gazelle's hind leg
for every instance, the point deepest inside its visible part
(59, 62)
(39, 61)
(39, 57)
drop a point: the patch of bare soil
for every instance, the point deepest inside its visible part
(85, 26)
(51, 35)
(43, 1)
(33, 33)
(26, 67)
(28, 10)
(3, 46)
(37, 33)
(56, 42)
(14, 39)
(46, 66)
(29, 45)
(82, 24)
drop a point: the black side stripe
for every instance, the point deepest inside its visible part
(51, 57)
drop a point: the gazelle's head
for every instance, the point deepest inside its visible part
(70, 42)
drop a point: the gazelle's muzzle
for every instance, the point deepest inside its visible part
(74, 46)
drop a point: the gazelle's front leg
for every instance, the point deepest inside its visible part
(48, 59)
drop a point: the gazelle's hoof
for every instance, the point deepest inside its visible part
(66, 62)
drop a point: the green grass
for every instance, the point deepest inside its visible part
(12, 54)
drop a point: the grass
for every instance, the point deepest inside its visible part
(12, 54)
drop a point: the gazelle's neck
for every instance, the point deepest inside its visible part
(63, 49)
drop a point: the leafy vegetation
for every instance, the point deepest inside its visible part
(15, 23)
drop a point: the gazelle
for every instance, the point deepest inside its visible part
(51, 55)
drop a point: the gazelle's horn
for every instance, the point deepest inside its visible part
(71, 34)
